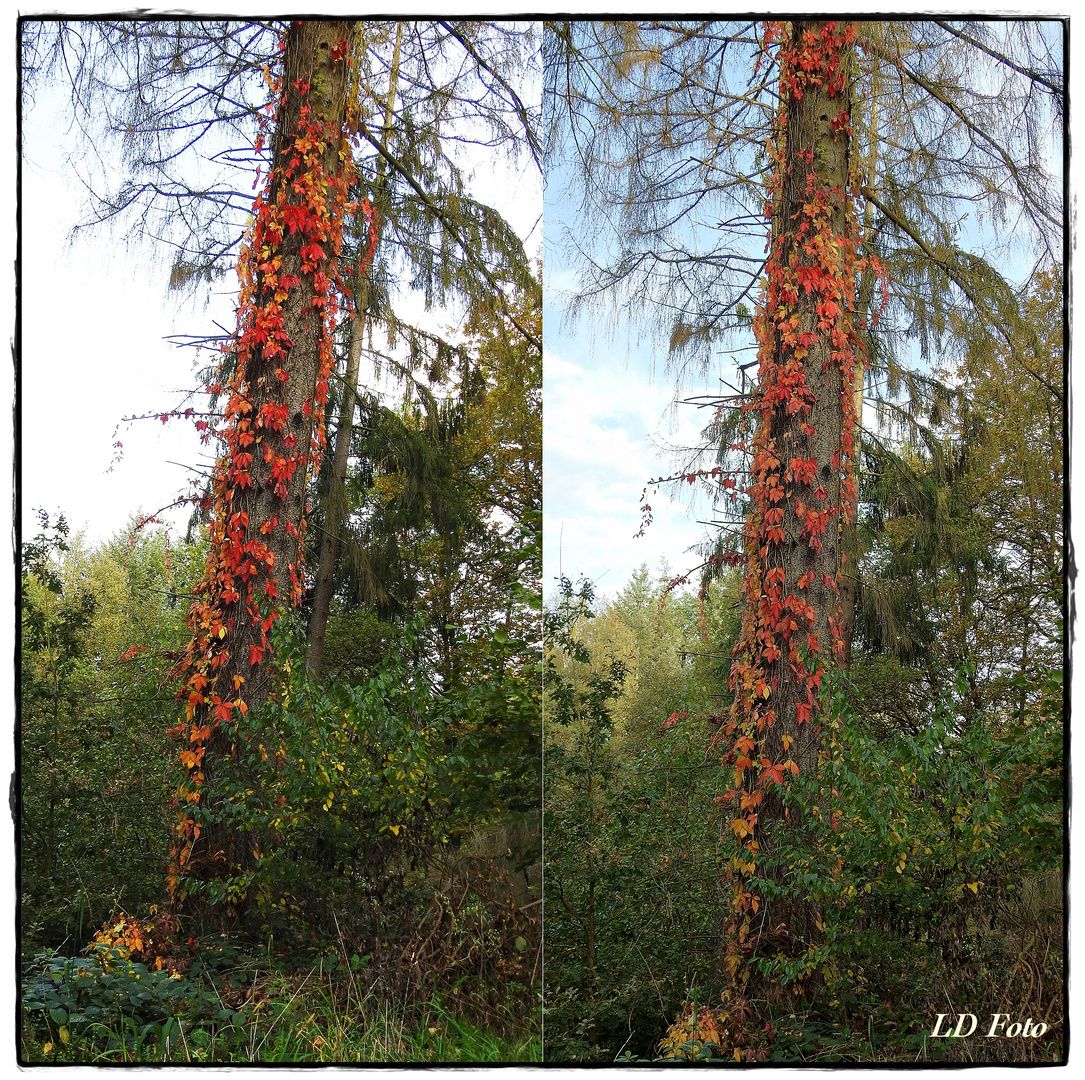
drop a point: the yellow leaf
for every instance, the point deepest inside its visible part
(65, 1035)
(47, 1047)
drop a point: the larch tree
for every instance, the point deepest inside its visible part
(802, 487)
(864, 147)
(366, 136)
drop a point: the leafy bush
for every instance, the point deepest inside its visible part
(342, 790)
(916, 835)
(119, 1004)
(912, 848)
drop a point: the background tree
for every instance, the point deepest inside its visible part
(632, 928)
(444, 502)
(965, 535)
(92, 746)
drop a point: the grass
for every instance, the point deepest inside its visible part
(298, 1018)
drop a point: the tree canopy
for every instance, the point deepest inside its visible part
(660, 130)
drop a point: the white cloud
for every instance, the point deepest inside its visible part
(602, 421)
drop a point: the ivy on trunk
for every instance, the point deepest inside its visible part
(801, 489)
(275, 380)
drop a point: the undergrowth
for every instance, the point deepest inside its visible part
(227, 1007)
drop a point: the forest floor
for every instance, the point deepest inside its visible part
(102, 1008)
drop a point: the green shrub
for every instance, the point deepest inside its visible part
(117, 1004)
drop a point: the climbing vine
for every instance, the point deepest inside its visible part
(801, 485)
(274, 379)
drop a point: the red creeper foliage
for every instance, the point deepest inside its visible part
(801, 484)
(274, 377)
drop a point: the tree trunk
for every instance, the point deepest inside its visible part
(273, 435)
(335, 508)
(335, 512)
(801, 488)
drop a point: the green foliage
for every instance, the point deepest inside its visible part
(98, 632)
(930, 841)
(370, 787)
(329, 781)
(495, 732)
(106, 994)
(344, 791)
(914, 849)
(629, 868)
(356, 642)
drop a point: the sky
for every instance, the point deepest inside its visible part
(606, 422)
(609, 421)
(96, 316)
